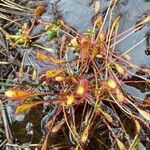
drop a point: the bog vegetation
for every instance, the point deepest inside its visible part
(86, 89)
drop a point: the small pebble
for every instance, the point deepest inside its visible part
(147, 52)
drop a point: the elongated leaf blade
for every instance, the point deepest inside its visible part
(25, 107)
(134, 143)
(121, 146)
(145, 114)
(106, 116)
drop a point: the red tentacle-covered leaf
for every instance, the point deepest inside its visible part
(44, 57)
(18, 94)
(83, 87)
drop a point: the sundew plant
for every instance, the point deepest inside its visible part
(83, 83)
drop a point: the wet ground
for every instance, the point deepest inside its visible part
(79, 14)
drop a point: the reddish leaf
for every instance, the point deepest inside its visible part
(18, 94)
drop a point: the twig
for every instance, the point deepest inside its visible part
(3, 143)
(23, 146)
(6, 124)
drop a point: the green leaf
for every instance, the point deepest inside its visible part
(52, 31)
(135, 142)
(89, 32)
